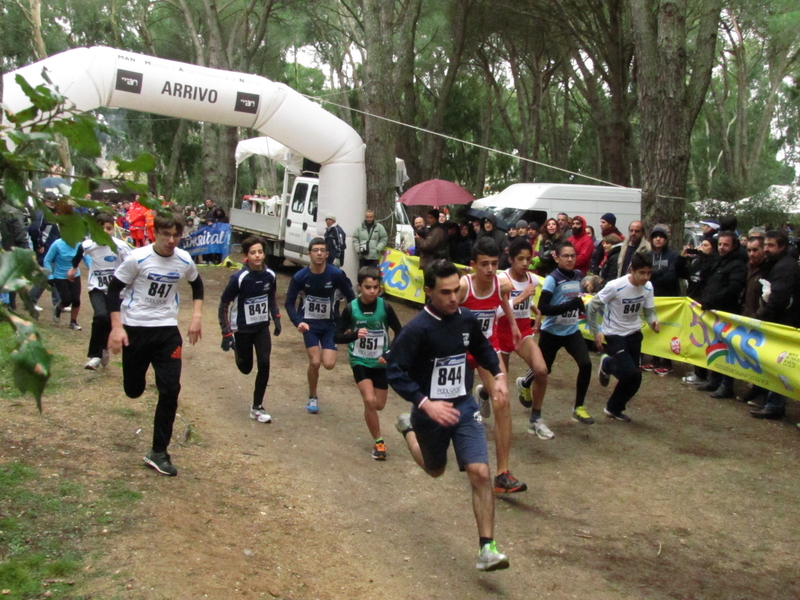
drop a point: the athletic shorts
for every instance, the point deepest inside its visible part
(506, 339)
(377, 375)
(468, 437)
(320, 334)
(494, 341)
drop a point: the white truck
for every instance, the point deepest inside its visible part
(288, 222)
(540, 201)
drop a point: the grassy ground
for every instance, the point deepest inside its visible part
(44, 517)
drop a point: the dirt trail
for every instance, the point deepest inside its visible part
(692, 500)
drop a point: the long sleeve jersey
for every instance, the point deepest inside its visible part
(428, 358)
(319, 294)
(252, 294)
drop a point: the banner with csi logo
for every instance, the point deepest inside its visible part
(761, 353)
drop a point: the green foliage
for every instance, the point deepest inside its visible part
(22, 160)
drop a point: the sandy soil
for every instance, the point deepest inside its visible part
(693, 500)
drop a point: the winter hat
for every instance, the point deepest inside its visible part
(660, 228)
(522, 224)
(610, 219)
(330, 216)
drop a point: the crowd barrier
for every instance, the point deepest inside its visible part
(748, 349)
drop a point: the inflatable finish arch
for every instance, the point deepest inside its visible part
(98, 76)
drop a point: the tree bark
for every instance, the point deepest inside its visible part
(668, 105)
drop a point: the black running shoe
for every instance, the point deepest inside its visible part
(160, 462)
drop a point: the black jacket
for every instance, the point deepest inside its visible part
(727, 279)
(665, 278)
(784, 278)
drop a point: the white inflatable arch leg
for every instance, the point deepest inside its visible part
(95, 77)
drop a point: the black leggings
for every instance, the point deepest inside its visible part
(101, 324)
(575, 345)
(262, 342)
(160, 347)
(624, 352)
(70, 292)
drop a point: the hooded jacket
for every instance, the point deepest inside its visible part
(782, 304)
(496, 234)
(664, 278)
(726, 281)
(584, 246)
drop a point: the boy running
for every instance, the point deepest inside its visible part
(626, 301)
(104, 262)
(145, 326)
(58, 261)
(428, 367)
(364, 325)
(315, 319)
(524, 287)
(560, 302)
(485, 294)
(251, 290)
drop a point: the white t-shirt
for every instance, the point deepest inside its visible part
(151, 280)
(625, 304)
(104, 262)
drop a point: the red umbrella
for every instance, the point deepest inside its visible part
(436, 192)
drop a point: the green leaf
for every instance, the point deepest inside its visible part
(41, 97)
(32, 361)
(20, 118)
(81, 135)
(80, 187)
(19, 269)
(143, 163)
(72, 225)
(99, 236)
(136, 188)
(14, 185)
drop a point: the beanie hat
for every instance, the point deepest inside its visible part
(660, 228)
(610, 219)
(522, 224)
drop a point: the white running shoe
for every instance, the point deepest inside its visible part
(540, 428)
(260, 415)
(93, 364)
(489, 559)
(484, 401)
(403, 422)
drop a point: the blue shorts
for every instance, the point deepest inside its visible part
(320, 334)
(468, 436)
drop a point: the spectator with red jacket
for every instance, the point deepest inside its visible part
(584, 246)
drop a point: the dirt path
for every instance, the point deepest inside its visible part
(692, 500)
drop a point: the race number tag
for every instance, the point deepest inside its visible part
(486, 319)
(568, 318)
(370, 346)
(256, 310)
(317, 308)
(447, 379)
(102, 277)
(631, 308)
(523, 309)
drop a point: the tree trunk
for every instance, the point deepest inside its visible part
(668, 105)
(219, 147)
(174, 158)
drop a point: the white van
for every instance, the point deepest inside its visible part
(541, 201)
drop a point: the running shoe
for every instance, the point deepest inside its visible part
(74, 326)
(37, 308)
(539, 428)
(379, 451)
(403, 423)
(260, 415)
(506, 483)
(602, 376)
(620, 416)
(490, 559)
(68, 308)
(581, 415)
(160, 461)
(649, 367)
(692, 379)
(93, 364)
(484, 401)
(313, 406)
(106, 358)
(662, 370)
(525, 393)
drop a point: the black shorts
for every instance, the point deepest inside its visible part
(378, 376)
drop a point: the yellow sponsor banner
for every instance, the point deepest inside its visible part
(765, 354)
